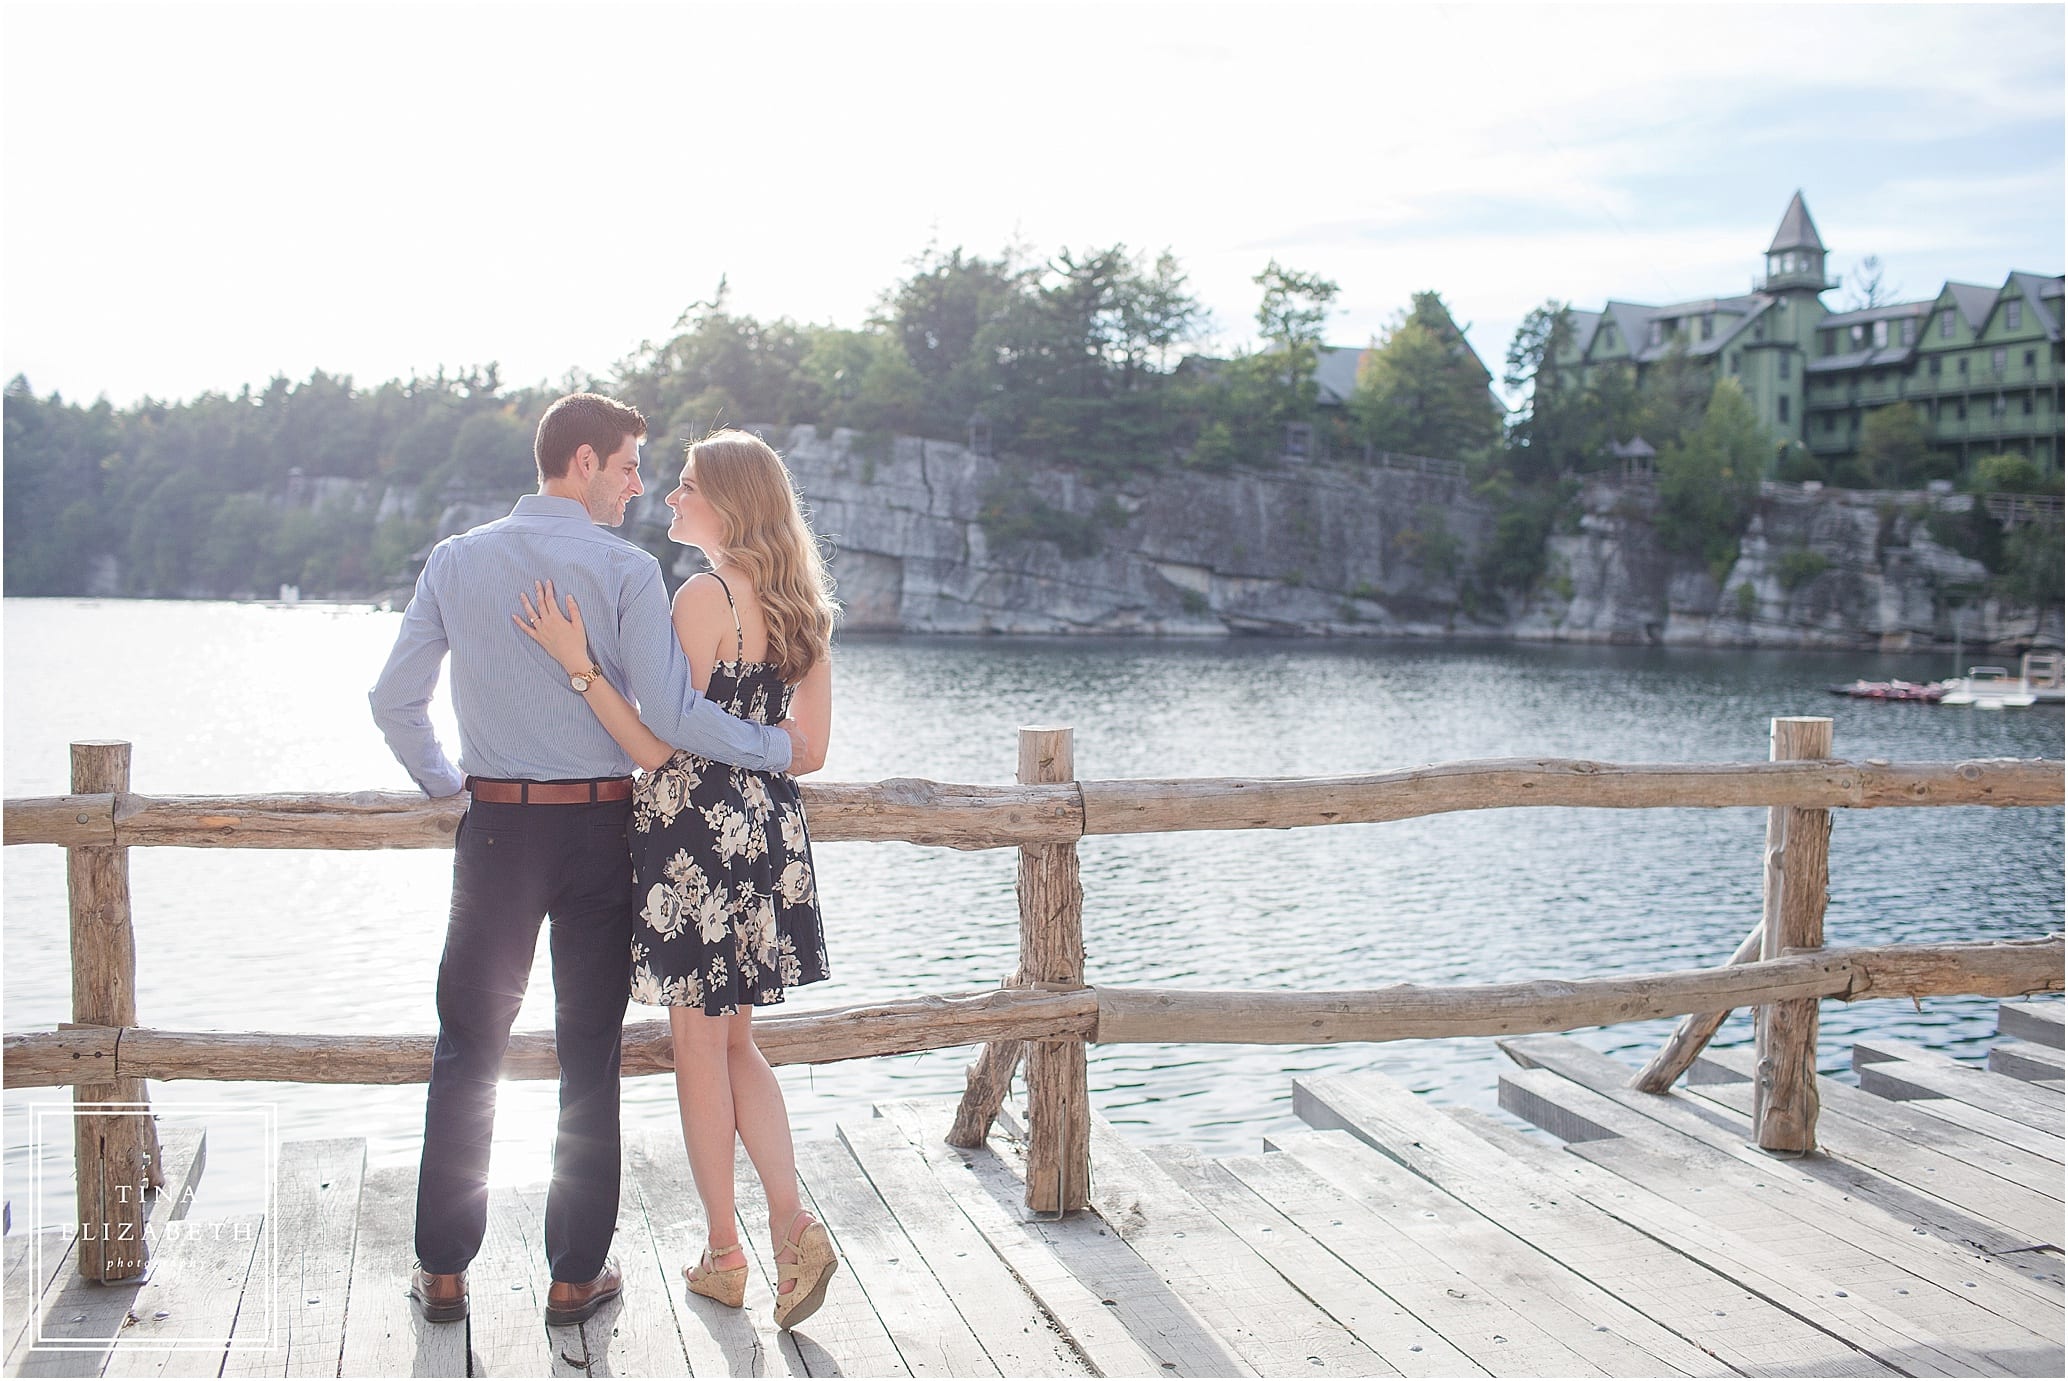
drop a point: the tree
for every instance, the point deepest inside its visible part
(1545, 434)
(1895, 449)
(1290, 316)
(1673, 396)
(1421, 390)
(1707, 483)
(1864, 286)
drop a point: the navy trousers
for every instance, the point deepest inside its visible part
(512, 866)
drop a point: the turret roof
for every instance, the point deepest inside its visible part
(1797, 230)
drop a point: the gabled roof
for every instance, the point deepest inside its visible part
(1583, 326)
(1634, 320)
(1974, 300)
(2037, 291)
(1335, 372)
(1797, 230)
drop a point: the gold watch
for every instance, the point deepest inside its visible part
(580, 681)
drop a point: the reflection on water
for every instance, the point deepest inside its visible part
(229, 698)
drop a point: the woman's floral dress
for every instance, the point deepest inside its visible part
(729, 906)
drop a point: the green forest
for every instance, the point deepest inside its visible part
(1080, 359)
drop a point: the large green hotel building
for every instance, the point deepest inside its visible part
(1982, 365)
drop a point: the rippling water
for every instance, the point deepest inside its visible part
(243, 698)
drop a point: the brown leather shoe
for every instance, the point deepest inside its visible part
(566, 1304)
(439, 1298)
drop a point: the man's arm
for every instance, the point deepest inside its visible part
(659, 681)
(401, 698)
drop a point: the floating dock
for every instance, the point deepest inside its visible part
(1645, 1236)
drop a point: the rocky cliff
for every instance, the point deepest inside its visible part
(932, 537)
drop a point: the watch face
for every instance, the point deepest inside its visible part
(580, 683)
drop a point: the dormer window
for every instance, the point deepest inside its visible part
(1708, 325)
(1946, 324)
(1909, 330)
(1881, 335)
(1857, 335)
(2013, 315)
(1658, 333)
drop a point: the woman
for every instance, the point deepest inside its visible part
(729, 916)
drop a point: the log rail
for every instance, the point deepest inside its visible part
(1048, 1010)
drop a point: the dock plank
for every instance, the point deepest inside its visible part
(1015, 1331)
(384, 1334)
(930, 1332)
(845, 1326)
(1648, 1251)
(2038, 1022)
(1954, 1164)
(306, 1245)
(34, 1258)
(1140, 1292)
(1270, 1324)
(183, 1317)
(716, 1341)
(1137, 1328)
(1706, 1170)
(1900, 1069)
(1412, 1341)
(1746, 1310)
(2026, 1060)
(636, 1334)
(1820, 1266)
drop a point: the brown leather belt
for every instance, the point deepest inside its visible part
(501, 792)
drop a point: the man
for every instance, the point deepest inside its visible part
(544, 834)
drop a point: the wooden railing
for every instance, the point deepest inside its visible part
(1046, 1012)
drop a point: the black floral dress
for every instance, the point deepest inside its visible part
(728, 902)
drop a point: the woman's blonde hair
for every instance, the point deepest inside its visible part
(768, 537)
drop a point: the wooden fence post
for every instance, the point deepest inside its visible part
(114, 1152)
(1798, 858)
(1052, 954)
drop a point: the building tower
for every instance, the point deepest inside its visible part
(1795, 260)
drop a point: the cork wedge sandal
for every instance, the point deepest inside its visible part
(728, 1287)
(811, 1271)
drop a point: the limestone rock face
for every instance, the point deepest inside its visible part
(932, 537)
(1312, 549)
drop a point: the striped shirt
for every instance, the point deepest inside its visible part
(518, 716)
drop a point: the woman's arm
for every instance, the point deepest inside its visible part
(811, 706)
(566, 638)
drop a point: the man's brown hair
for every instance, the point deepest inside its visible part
(578, 420)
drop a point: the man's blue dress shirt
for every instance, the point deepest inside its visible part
(518, 716)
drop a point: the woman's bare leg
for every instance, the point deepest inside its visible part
(703, 1095)
(763, 1120)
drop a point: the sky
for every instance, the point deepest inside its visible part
(199, 197)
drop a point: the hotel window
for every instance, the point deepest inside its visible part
(1857, 335)
(1996, 406)
(1658, 333)
(1998, 358)
(1782, 403)
(1963, 364)
(2031, 358)
(1830, 422)
(1709, 326)
(1936, 362)
(1946, 324)
(1881, 335)
(1909, 330)
(2013, 315)
(1960, 409)
(1784, 364)
(1734, 361)
(2028, 405)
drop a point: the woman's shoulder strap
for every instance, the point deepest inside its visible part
(739, 636)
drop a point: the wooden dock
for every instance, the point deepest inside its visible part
(1392, 1239)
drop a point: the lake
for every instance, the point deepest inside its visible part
(227, 698)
